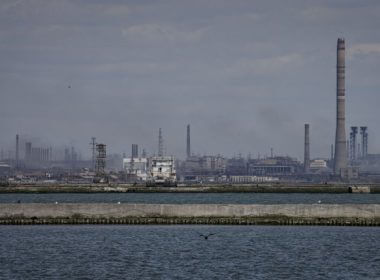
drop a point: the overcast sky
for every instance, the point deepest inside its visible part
(246, 75)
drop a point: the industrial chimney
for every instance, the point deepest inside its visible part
(17, 151)
(364, 134)
(135, 151)
(340, 158)
(188, 151)
(160, 143)
(306, 161)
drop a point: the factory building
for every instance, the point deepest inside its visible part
(136, 168)
(318, 165)
(236, 166)
(276, 166)
(4, 169)
(204, 165)
(37, 157)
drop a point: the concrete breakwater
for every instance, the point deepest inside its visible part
(105, 213)
(206, 188)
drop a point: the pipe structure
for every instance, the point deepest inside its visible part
(340, 158)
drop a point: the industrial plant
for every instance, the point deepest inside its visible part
(350, 159)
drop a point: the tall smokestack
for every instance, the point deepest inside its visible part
(135, 151)
(160, 143)
(340, 158)
(17, 151)
(306, 161)
(364, 134)
(188, 151)
(354, 131)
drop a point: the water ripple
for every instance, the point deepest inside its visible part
(178, 252)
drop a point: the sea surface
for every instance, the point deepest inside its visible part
(179, 252)
(185, 198)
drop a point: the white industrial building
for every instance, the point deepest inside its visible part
(136, 167)
(162, 169)
(318, 164)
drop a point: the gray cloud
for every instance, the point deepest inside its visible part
(245, 74)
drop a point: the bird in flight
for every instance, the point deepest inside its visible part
(206, 236)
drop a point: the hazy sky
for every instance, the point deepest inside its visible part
(246, 75)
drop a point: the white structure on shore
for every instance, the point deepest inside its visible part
(157, 169)
(136, 168)
(162, 169)
(252, 179)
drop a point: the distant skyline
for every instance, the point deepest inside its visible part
(246, 75)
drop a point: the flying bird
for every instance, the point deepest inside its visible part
(206, 236)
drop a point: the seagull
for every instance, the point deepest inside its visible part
(319, 202)
(206, 236)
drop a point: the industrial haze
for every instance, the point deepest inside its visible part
(247, 75)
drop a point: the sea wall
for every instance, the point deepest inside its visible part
(203, 188)
(105, 213)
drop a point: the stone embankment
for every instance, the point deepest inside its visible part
(206, 188)
(104, 213)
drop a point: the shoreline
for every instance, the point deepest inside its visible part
(215, 188)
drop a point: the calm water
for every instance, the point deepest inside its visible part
(239, 198)
(178, 252)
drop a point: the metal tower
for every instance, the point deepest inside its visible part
(101, 156)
